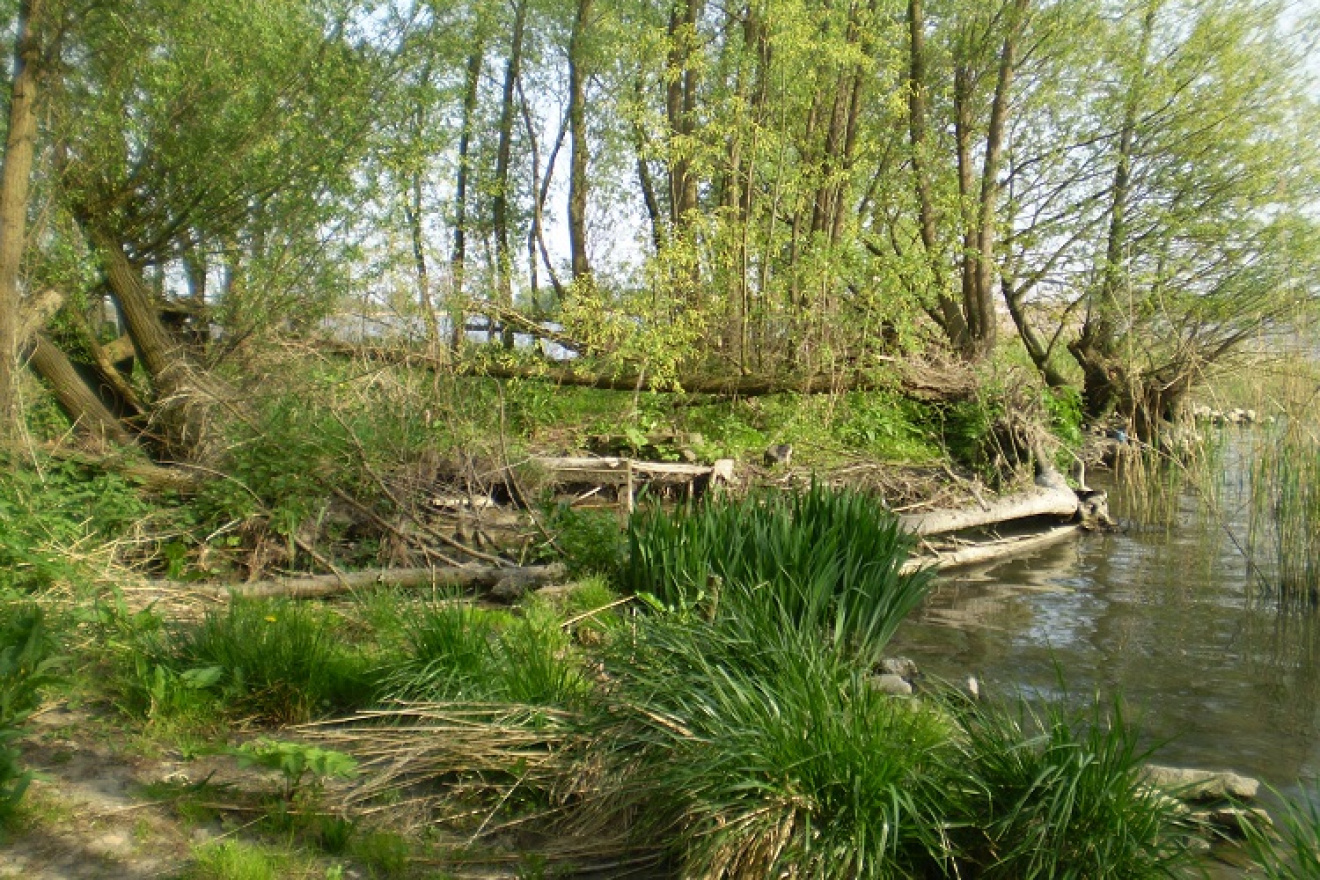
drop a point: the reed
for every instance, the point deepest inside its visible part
(1284, 535)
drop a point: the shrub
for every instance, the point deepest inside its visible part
(831, 560)
(590, 541)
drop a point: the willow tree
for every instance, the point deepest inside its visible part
(1187, 198)
(180, 123)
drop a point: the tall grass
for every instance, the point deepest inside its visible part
(1285, 511)
(1058, 793)
(827, 562)
(276, 661)
(454, 650)
(747, 750)
(1290, 850)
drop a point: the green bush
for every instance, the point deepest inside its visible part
(829, 562)
(27, 664)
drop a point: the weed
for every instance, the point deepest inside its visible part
(590, 541)
(296, 761)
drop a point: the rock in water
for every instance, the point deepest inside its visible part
(893, 685)
(1201, 785)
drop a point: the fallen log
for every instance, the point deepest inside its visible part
(1054, 501)
(509, 581)
(921, 381)
(990, 551)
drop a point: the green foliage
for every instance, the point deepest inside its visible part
(590, 541)
(1066, 416)
(1055, 793)
(296, 761)
(1290, 849)
(27, 664)
(454, 650)
(51, 509)
(277, 661)
(887, 426)
(827, 561)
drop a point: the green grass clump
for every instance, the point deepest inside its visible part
(828, 561)
(453, 650)
(1285, 512)
(236, 860)
(1057, 794)
(749, 751)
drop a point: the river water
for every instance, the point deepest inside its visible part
(1166, 618)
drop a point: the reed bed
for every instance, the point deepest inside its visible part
(1284, 536)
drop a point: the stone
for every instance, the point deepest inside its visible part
(903, 667)
(1201, 785)
(893, 685)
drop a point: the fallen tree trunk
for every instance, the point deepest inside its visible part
(920, 381)
(991, 551)
(508, 582)
(1060, 502)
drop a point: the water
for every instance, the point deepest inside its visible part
(1166, 619)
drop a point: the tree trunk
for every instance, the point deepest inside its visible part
(458, 262)
(577, 121)
(15, 183)
(503, 155)
(91, 418)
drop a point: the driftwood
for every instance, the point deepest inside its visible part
(1060, 502)
(508, 582)
(991, 551)
(627, 473)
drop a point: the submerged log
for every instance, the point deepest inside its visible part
(501, 581)
(1040, 501)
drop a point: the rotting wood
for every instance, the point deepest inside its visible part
(1060, 502)
(503, 581)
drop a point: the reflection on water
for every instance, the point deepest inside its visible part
(1165, 619)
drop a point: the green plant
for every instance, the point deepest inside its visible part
(278, 661)
(456, 651)
(1057, 793)
(295, 761)
(236, 860)
(27, 664)
(590, 541)
(747, 749)
(829, 562)
(1290, 848)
